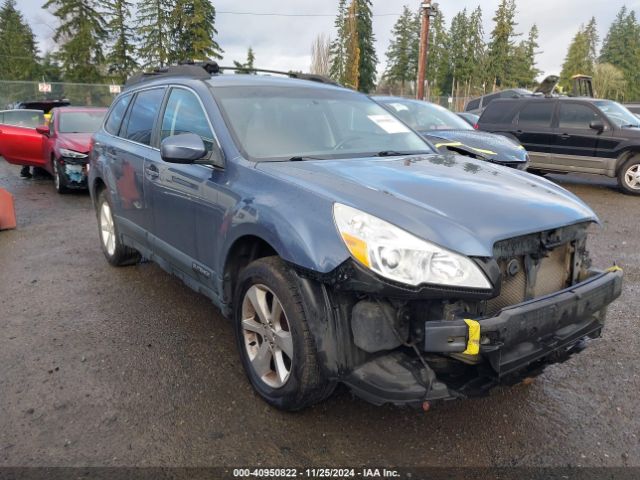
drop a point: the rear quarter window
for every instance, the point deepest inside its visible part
(473, 104)
(112, 125)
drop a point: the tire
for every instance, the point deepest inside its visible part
(279, 355)
(629, 176)
(116, 253)
(58, 180)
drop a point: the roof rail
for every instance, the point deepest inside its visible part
(204, 70)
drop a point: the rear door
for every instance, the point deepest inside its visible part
(534, 130)
(20, 144)
(576, 146)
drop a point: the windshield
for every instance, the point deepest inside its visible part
(275, 123)
(618, 114)
(81, 122)
(423, 116)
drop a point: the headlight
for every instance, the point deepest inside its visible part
(402, 257)
(72, 154)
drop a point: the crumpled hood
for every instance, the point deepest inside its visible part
(459, 203)
(505, 150)
(79, 142)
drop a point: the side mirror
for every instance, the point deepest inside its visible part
(43, 130)
(183, 148)
(597, 125)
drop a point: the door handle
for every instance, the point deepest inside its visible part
(565, 136)
(152, 171)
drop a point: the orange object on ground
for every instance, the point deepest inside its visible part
(7, 211)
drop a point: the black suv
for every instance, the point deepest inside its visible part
(565, 135)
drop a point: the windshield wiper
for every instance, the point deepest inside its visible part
(394, 153)
(302, 158)
(630, 126)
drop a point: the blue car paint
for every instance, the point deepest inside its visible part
(456, 202)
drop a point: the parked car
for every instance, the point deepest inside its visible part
(564, 134)
(446, 131)
(343, 248)
(477, 105)
(470, 118)
(633, 108)
(61, 147)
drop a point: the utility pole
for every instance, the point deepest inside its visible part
(426, 11)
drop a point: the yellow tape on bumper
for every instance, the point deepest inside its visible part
(615, 268)
(473, 345)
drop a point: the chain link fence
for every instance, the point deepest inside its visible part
(95, 95)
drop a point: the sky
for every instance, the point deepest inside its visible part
(284, 42)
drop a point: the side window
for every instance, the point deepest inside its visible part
(536, 114)
(575, 115)
(184, 114)
(23, 118)
(473, 104)
(117, 114)
(142, 116)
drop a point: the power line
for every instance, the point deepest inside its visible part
(269, 14)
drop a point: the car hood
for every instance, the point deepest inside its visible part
(457, 202)
(79, 142)
(494, 146)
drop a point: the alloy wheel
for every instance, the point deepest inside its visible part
(632, 177)
(267, 336)
(107, 230)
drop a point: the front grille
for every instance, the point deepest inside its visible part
(532, 275)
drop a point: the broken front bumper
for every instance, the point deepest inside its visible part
(524, 333)
(517, 342)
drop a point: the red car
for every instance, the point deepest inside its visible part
(61, 147)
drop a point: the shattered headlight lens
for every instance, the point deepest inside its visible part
(72, 153)
(397, 255)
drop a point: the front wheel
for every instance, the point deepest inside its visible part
(58, 180)
(116, 253)
(277, 349)
(629, 176)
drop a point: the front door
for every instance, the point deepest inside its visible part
(185, 206)
(20, 143)
(576, 145)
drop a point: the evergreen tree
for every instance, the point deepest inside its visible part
(368, 59)
(578, 60)
(500, 49)
(18, 50)
(80, 35)
(593, 39)
(154, 30)
(352, 48)
(438, 54)
(193, 29)
(621, 48)
(49, 69)
(337, 49)
(248, 66)
(401, 65)
(459, 57)
(477, 49)
(524, 60)
(121, 60)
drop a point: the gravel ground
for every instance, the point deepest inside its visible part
(104, 366)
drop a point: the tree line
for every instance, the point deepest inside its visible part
(101, 41)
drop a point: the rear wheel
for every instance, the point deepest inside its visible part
(114, 250)
(629, 176)
(277, 349)
(58, 180)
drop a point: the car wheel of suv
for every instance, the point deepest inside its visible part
(58, 181)
(277, 349)
(114, 250)
(629, 176)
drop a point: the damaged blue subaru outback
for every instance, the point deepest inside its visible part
(342, 247)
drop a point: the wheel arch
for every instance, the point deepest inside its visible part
(625, 155)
